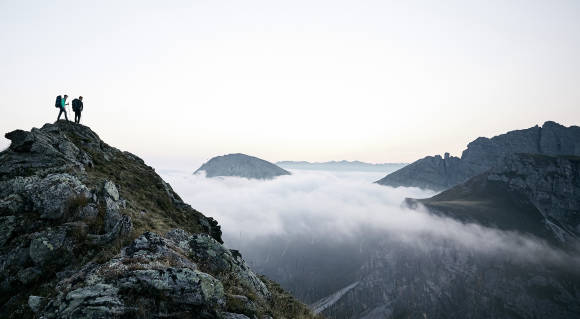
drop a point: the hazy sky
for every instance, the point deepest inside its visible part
(378, 81)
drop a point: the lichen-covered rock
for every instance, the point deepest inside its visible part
(149, 275)
(51, 195)
(35, 303)
(48, 247)
(216, 259)
(11, 204)
(7, 226)
(29, 275)
(111, 190)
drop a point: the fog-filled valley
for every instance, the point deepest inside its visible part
(316, 232)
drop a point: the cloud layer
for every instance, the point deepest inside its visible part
(341, 206)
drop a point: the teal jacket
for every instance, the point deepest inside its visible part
(63, 102)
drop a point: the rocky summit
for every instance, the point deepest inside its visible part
(241, 165)
(440, 173)
(89, 231)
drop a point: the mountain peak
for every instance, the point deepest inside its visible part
(92, 231)
(241, 165)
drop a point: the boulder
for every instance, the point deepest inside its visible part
(48, 247)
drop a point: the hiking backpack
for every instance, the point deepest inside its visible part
(75, 105)
(58, 101)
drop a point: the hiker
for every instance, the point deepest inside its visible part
(77, 106)
(61, 103)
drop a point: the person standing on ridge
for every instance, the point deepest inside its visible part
(77, 106)
(63, 104)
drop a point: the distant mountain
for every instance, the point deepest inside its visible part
(534, 195)
(437, 173)
(342, 166)
(241, 165)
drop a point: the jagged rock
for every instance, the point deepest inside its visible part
(29, 275)
(89, 211)
(50, 196)
(11, 204)
(217, 259)
(49, 247)
(241, 165)
(111, 190)
(123, 227)
(7, 227)
(35, 303)
(148, 270)
(230, 315)
(434, 172)
(112, 214)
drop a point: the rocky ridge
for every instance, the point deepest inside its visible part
(241, 165)
(440, 173)
(89, 231)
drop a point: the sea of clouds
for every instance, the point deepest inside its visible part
(340, 206)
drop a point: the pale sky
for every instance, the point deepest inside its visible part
(377, 81)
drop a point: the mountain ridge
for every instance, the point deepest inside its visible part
(341, 165)
(440, 173)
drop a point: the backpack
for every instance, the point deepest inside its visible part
(75, 105)
(58, 103)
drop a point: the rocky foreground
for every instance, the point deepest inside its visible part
(89, 231)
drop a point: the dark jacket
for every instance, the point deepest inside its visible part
(77, 105)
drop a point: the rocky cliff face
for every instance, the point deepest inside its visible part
(89, 231)
(241, 165)
(528, 193)
(537, 196)
(448, 282)
(483, 153)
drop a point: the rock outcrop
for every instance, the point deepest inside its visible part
(437, 173)
(89, 231)
(241, 165)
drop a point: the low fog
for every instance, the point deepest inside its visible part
(313, 230)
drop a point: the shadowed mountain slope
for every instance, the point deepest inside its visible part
(528, 193)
